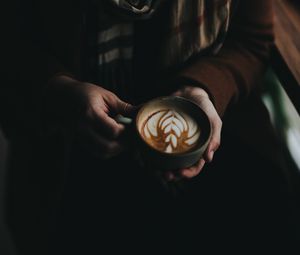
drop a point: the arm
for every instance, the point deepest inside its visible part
(232, 73)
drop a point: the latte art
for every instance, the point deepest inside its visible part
(170, 131)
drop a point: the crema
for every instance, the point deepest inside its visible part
(170, 131)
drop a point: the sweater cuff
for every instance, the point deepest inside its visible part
(187, 81)
(217, 83)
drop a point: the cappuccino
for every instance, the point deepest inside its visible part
(170, 131)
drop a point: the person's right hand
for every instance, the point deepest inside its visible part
(89, 109)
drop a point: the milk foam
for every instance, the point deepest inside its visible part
(171, 131)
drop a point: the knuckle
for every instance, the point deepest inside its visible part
(215, 143)
(220, 123)
(187, 89)
(217, 126)
(121, 105)
(217, 121)
(198, 170)
(111, 96)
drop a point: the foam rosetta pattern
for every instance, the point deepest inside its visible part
(170, 131)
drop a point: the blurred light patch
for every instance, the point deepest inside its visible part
(284, 116)
(293, 141)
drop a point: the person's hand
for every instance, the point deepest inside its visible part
(201, 98)
(90, 110)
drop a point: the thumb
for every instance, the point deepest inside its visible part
(126, 109)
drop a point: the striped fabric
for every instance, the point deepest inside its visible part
(195, 26)
(114, 53)
(192, 27)
(115, 43)
(137, 9)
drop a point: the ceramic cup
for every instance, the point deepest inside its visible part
(173, 133)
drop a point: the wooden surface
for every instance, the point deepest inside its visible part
(286, 59)
(287, 31)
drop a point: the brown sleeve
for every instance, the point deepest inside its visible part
(234, 71)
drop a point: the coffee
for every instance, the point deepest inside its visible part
(173, 133)
(170, 131)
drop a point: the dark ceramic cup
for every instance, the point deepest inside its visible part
(158, 159)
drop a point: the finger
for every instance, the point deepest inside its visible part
(107, 125)
(193, 170)
(193, 93)
(212, 147)
(215, 140)
(99, 145)
(216, 127)
(210, 151)
(201, 98)
(125, 108)
(177, 93)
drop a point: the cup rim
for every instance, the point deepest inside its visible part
(177, 154)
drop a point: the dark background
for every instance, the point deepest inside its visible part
(6, 246)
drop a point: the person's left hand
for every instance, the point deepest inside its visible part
(201, 98)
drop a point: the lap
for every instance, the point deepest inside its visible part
(239, 196)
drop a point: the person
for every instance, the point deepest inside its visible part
(74, 182)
